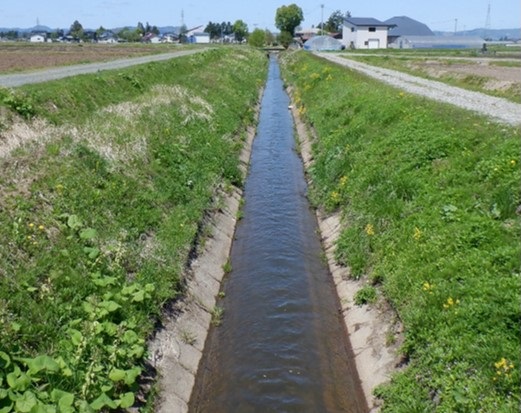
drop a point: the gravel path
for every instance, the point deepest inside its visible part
(496, 108)
(66, 71)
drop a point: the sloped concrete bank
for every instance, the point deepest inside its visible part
(176, 350)
(374, 331)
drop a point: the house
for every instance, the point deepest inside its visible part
(198, 37)
(365, 33)
(107, 37)
(405, 26)
(38, 38)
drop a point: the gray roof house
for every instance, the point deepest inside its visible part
(408, 33)
(365, 33)
(405, 26)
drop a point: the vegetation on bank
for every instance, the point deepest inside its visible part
(101, 207)
(428, 194)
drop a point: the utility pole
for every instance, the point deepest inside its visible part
(322, 19)
(487, 22)
(455, 26)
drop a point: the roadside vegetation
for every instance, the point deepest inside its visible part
(418, 63)
(428, 196)
(106, 183)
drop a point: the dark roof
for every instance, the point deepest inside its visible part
(365, 21)
(405, 26)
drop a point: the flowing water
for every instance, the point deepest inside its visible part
(282, 346)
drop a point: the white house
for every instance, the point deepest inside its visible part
(365, 33)
(37, 38)
(198, 37)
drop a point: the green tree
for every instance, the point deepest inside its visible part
(287, 18)
(240, 29)
(285, 39)
(76, 30)
(140, 29)
(129, 35)
(257, 38)
(336, 21)
(269, 38)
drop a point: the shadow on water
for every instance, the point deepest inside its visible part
(282, 346)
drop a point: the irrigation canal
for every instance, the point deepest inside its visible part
(282, 346)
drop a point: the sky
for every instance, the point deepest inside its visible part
(444, 15)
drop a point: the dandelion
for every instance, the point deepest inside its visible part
(427, 286)
(503, 367)
(369, 229)
(335, 197)
(41, 227)
(513, 162)
(31, 225)
(417, 234)
(450, 303)
(401, 94)
(343, 181)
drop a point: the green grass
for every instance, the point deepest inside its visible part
(413, 64)
(428, 195)
(100, 214)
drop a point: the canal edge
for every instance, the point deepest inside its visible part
(368, 327)
(177, 348)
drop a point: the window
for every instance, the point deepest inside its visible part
(372, 29)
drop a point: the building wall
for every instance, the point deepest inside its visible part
(362, 38)
(37, 39)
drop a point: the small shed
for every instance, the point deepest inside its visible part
(322, 43)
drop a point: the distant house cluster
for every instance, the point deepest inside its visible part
(398, 32)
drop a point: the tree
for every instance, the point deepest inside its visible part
(285, 39)
(240, 29)
(257, 38)
(269, 38)
(140, 29)
(287, 18)
(76, 30)
(334, 22)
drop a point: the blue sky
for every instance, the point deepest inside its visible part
(437, 14)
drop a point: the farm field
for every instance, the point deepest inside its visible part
(493, 75)
(20, 57)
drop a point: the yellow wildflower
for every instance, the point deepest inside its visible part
(513, 162)
(31, 225)
(450, 303)
(41, 227)
(427, 286)
(343, 181)
(417, 234)
(335, 197)
(369, 229)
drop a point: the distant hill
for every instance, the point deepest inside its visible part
(493, 34)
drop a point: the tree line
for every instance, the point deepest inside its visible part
(287, 19)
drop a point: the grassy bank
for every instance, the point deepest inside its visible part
(102, 205)
(428, 195)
